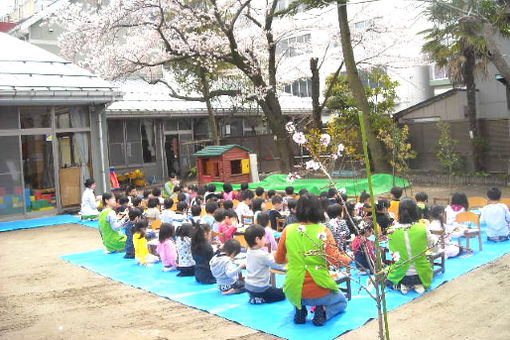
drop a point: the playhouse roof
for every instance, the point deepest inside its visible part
(218, 150)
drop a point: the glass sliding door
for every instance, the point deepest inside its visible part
(11, 190)
(38, 172)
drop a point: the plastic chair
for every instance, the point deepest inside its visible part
(468, 216)
(280, 224)
(505, 201)
(220, 236)
(441, 199)
(156, 224)
(440, 255)
(247, 220)
(477, 202)
(242, 241)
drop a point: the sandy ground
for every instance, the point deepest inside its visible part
(44, 297)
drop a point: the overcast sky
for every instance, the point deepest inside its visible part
(6, 6)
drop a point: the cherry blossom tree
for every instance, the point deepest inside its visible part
(145, 37)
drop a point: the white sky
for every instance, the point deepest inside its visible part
(6, 6)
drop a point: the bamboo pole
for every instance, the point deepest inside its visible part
(380, 289)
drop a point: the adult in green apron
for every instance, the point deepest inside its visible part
(410, 240)
(299, 239)
(109, 226)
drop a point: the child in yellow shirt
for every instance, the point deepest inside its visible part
(142, 255)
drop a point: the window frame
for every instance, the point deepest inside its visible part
(232, 167)
(124, 144)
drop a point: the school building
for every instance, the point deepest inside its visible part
(53, 132)
(150, 131)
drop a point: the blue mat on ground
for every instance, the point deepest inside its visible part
(273, 318)
(92, 224)
(46, 222)
(38, 222)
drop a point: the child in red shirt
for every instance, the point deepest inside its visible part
(226, 226)
(363, 248)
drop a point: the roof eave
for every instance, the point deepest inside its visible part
(30, 97)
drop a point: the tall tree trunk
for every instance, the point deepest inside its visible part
(213, 126)
(316, 109)
(377, 151)
(497, 57)
(469, 81)
(273, 113)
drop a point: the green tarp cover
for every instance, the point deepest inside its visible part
(354, 186)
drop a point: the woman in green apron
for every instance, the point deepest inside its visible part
(410, 239)
(109, 226)
(308, 281)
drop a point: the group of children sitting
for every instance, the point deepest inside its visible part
(197, 237)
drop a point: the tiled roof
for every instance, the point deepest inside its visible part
(28, 71)
(152, 99)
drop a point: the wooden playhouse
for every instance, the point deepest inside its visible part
(223, 163)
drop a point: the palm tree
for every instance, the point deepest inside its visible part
(458, 44)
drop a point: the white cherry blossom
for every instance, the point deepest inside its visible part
(312, 165)
(299, 138)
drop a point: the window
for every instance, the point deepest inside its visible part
(254, 126)
(131, 142)
(284, 4)
(438, 73)
(148, 143)
(236, 167)
(295, 46)
(35, 117)
(300, 88)
(207, 166)
(10, 119)
(366, 81)
(232, 127)
(364, 25)
(173, 125)
(71, 117)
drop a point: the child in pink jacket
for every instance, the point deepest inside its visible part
(263, 220)
(166, 247)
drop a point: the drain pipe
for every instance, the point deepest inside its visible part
(101, 148)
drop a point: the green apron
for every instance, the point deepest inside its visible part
(297, 243)
(168, 189)
(112, 240)
(417, 235)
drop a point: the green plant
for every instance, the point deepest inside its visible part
(381, 99)
(448, 157)
(192, 173)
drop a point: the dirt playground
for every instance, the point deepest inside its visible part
(44, 297)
